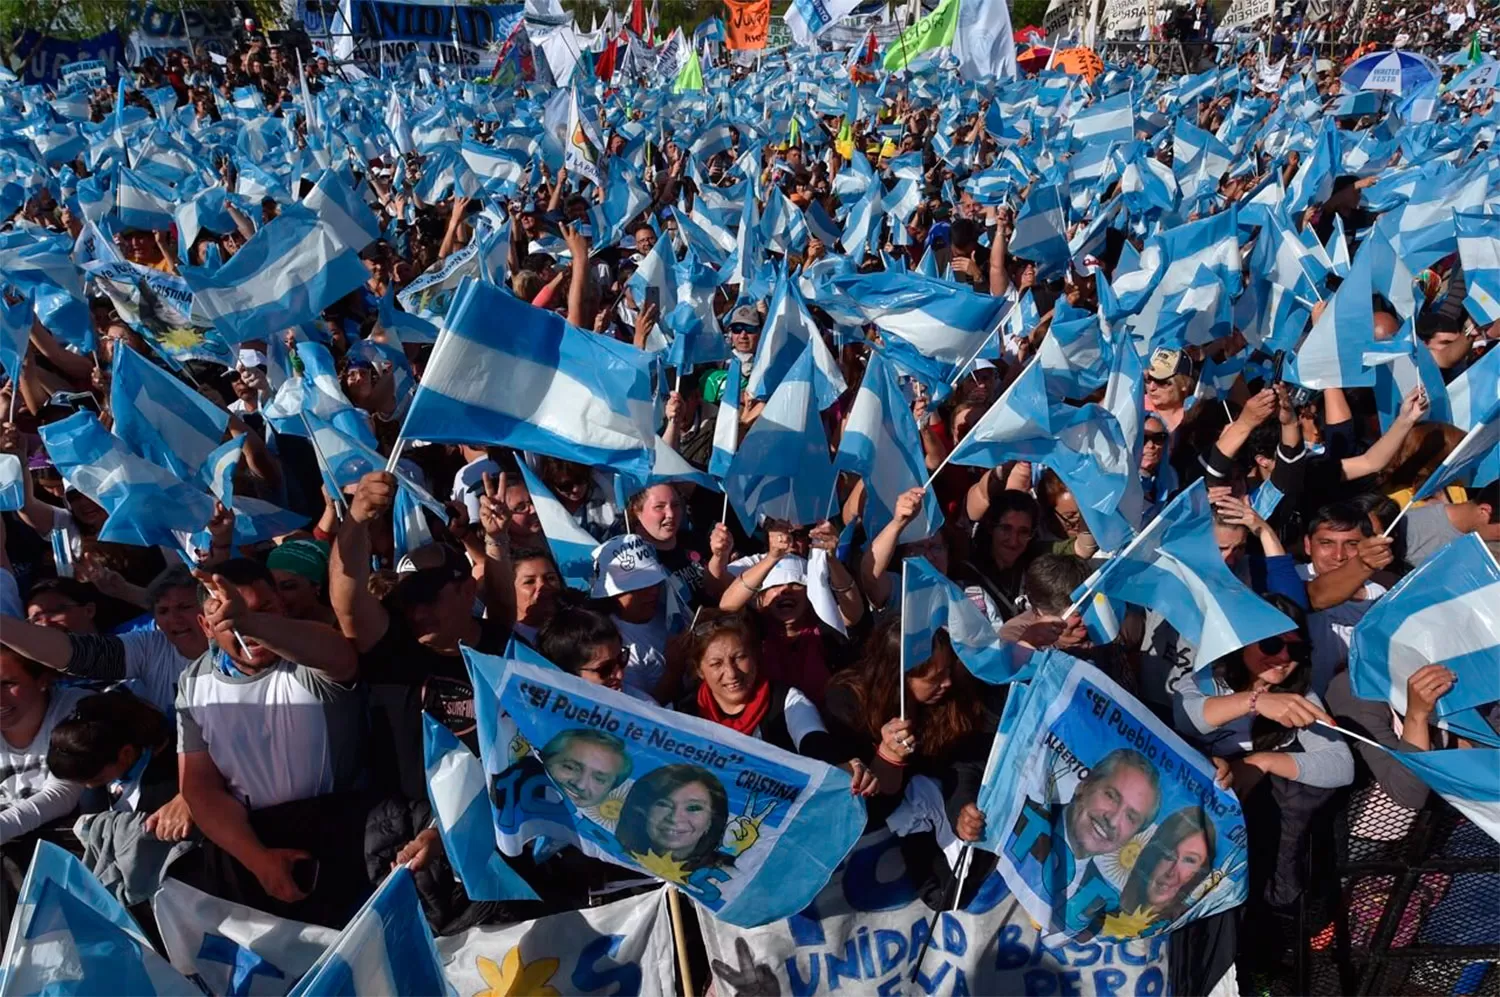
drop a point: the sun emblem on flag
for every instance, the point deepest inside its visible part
(180, 338)
(1123, 924)
(514, 978)
(661, 866)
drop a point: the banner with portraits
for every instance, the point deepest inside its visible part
(868, 933)
(1106, 824)
(749, 832)
(623, 947)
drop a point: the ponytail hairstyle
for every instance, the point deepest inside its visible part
(90, 738)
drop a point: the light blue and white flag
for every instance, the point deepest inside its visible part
(881, 443)
(1475, 391)
(789, 332)
(1111, 120)
(69, 935)
(1041, 232)
(507, 374)
(255, 519)
(147, 505)
(161, 418)
(1479, 252)
(12, 483)
(929, 603)
(231, 948)
(1015, 427)
(942, 321)
(1475, 461)
(15, 335)
(1468, 779)
(781, 469)
(285, 275)
(343, 211)
(409, 529)
(1341, 344)
(461, 809)
(386, 948)
(144, 202)
(317, 391)
(1442, 613)
(572, 546)
(727, 425)
(1174, 568)
(624, 199)
(493, 164)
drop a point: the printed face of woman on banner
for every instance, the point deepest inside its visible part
(679, 812)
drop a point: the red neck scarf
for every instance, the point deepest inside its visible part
(744, 721)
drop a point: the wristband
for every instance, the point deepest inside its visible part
(880, 752)
(748, 588)
(1254, 696)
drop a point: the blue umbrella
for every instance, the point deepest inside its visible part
(1394, 71)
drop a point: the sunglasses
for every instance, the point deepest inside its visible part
(1158, 380)
(1160, 439)
(1271, 646)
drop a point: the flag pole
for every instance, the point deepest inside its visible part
(933, 476)
(961, 371)
(679, 940)
(338, 496)
(395, 458)
(901, 679)
(1350, 733)
(1399, 516)
(1093, 579)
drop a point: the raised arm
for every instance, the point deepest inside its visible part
(361, 616)
(308, 643)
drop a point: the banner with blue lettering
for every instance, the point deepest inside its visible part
(159, 306)
(748, 831)
(1106, 824)
(864, 934)
(619, 948)
(386, 31)
(163, 25)
(58, 60)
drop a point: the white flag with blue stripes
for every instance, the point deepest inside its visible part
(461, 808)
(881, 443)
(507, 374)
(572, 546)
(160, 417)
(782, 468)
(727, 424)
(69, 935)
(343, 210)
(147, 505)
(1474, 462)
(929, 603)
(1479, 252)
(386, 948)
(1468, 779)
(285, 275)
(1442, 613)
(1174, 568)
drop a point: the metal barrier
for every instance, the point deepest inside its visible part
(1415, 912)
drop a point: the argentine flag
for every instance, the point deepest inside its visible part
(929, 603)
(504, 373)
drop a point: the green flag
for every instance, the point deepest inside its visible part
(933, 31)
(691, 76)
(1476, 56)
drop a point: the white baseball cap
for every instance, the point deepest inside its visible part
(625, 564)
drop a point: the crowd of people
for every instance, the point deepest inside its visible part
(264, 703)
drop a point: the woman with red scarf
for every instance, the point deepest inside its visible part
(723, 652)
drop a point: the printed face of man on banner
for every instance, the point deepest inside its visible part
(1117, 832)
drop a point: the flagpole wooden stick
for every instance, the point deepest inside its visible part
(933, 922)
(679, 939)
(965, 863)
(964, 369)
(724, 514)
(1093, 579)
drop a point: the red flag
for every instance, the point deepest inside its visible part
(638, 17)
(871, 50)
(605, 67)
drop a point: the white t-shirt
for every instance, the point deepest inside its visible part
(1329, 629)
(29, 795)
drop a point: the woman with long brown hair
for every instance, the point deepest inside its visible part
(945, 733)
